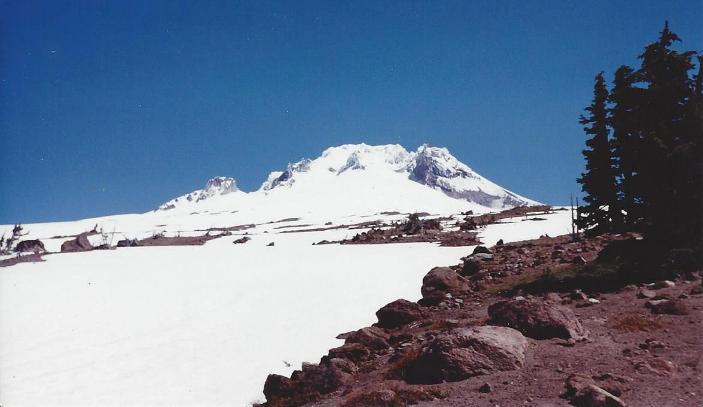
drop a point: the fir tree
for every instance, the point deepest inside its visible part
(601, 212)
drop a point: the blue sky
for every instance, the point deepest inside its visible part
(117, 106)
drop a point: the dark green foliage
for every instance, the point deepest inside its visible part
(655, 117)
(601, 213)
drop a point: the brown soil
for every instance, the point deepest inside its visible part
(650, 359)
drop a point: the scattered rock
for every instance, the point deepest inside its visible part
(470, 267)
(34, 246)
(552, 297)
(657, 366)
(398, 313)
(645, 293)
(128, 243)
(441, 281)
(582, 391)
(244, 239)
(669, 307)
(481, 249)
(578, 260)
(79, 244)
(698, 289)
(485, 388)
(467, 352)
(664, 284)
(651, 344)
(537, 319)
(271, 244)
(482, 256)
(578, 295)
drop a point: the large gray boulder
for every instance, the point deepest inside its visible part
(467, 352)
(536, 318)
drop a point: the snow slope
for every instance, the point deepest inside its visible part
(201, 325)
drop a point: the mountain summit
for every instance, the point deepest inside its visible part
(360, 175)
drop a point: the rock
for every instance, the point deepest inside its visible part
(482, 256)
(485, 388)
(34, 246)
(355, 352)
(241, 240)
(582, 391)
(578, 260)
(552, 297)
(659, 367)
(651, 344)
(79, 244)
(499, 242)
(441, 281)
(371, 337)
(481, 249)
(578, 295)
(537, 319)
(466, 352)
(645, 293)
(593, 301)
(664, 284)
(470, 267)
(128, 243)
(398, 313)
(271, 244)
(277, 386)
(669, 307)
(697, 290)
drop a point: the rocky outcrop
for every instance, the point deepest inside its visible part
(306, 385)
(398, 313)
(467, 352)
(537, 318)
(79, 244)
(441, 281)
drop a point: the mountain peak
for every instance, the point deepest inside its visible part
(357, 170)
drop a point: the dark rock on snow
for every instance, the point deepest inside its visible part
(34, 246)
(79, 244)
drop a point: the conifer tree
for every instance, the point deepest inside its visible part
(664, 75)
(601, 213)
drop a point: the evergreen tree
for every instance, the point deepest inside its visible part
(662, 119)
(601, 212)
(627, 142)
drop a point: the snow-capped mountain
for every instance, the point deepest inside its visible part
(364, 177)
(215, 187)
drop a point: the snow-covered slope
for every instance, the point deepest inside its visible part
(359, 177)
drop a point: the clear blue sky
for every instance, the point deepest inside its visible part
(117, 106)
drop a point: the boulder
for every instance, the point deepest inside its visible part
(537, 319)
(470, 267)
(277, 386)
(645, 293)
(467, 352)
(398, 313)
(664, 284)
(481, 249)
(441, 281)
(669, 307)
(128, 243)
(582, 391)
(34, 246)
(79, 244)
(354, 352)
(242, 240)
(372, 337)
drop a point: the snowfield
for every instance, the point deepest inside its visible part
(205, 325)
(201, 325)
